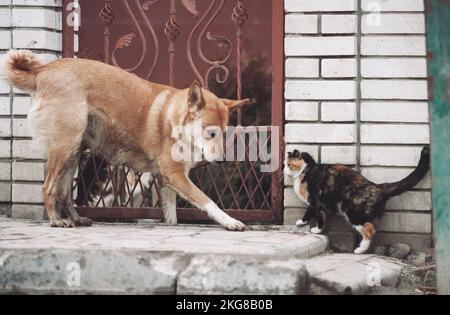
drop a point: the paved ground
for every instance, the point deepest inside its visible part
(158, 238)
(149, 258)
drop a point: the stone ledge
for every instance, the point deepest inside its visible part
(348, 274)
(152, 259)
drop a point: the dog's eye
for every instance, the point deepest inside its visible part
(212, 134)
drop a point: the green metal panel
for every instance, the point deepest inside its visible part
(438, 41)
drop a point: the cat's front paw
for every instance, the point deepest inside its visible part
(316, 230)
(301, 223)
(363, 247)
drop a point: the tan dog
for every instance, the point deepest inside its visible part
(83, 104)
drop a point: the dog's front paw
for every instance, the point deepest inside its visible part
(301, 223)
(316, 230)
(234, 225)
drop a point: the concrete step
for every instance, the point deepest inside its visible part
(349, 274)
(154, 259)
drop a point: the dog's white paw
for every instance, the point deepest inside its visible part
(301, 223)
(316, 230)
(234, 225)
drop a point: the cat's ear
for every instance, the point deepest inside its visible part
(308, 158)
(296, 154)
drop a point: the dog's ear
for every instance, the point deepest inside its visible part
(195, 97)
(234, 105)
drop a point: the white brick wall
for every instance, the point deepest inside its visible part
(320, 46)
(393, 46)
(339, 24)
(370, 113)
(35, 25)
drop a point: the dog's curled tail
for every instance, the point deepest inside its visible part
(413, 179)
(20, 68)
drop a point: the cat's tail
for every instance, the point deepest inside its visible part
(413, 179)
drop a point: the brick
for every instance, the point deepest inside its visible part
(28, 149)
(395, 111)
(381, 175)
(43, 3)
(390, 156)
(5, 192)
(5, 170)
(320, 90)
(320, 133)
(339, 24)
(28, 212)
(302, 68)
(320, 46)
(339, 155)
(21, 105)
(49, 57)
(395, 134)
(292, 215)
(5, 106)
(5, 149)
(34, 39)
(394, 89)
(411, 200)
(394, 24)
(27, 171)
(338, 111)
(320, 5)
(302, 111)
(33, 17)
(21, 128)
(27, 193)
(301, 24)
(5, 127)
(405, 223)
(5, 17)
(393, 46)
(339, 68)
(392, 5)
(291, 200)
(5, 39)
(394, 68)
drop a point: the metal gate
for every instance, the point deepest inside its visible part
(232, 47)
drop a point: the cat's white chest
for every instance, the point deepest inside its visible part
(301, 190)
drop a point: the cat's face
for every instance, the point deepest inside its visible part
(296, 162)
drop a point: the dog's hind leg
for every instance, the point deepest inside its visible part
(66, 195)
(58, 160)
(62, 164)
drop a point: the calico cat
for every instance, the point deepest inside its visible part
(339, 189)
